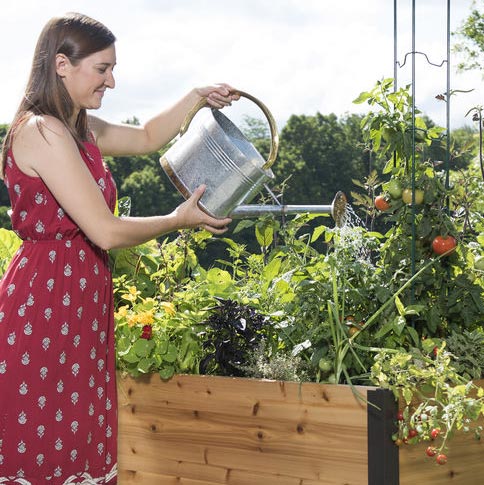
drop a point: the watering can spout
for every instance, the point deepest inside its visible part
(337, 209)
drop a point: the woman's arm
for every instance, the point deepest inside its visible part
(54, 156)
(118, 139)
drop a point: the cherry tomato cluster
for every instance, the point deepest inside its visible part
(413, 433)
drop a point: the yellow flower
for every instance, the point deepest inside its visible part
(132, 320)
(168, 307)
(146, 318)
(132, 294)
(122, 312)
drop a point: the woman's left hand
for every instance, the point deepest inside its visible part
(218, 95)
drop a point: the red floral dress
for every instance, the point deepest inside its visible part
(58, 422)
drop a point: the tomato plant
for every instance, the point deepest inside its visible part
(444, 245)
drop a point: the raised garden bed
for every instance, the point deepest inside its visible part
(201, 430)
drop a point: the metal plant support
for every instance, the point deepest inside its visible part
(396, 66)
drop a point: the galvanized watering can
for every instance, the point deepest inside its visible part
(214, 152)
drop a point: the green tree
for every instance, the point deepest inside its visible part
(4, 199)
(471, 35)
(321, 155)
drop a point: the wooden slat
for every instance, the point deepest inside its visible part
(241, 431)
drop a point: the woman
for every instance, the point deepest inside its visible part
(58, 424)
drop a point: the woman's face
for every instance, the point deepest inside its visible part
(87, 81)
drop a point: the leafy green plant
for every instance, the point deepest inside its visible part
(467, 350)
(436, 401)
(9, 243)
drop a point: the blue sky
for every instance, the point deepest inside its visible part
(297, 56)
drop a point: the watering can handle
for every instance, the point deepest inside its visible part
(272, 124)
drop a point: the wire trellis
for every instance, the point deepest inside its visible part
(413, 53)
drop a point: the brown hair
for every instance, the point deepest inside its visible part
(76, 36)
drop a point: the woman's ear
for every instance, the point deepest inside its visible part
(62, 64)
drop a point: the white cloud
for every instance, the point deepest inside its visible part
(298, 57)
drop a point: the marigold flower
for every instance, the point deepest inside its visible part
(168, 307)
(132, 294)
(122, 312)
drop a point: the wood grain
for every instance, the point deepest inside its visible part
(218, 430)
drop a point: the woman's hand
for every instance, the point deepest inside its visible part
(189, 215)
(218, 95)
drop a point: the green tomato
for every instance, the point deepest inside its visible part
(394, 188)
(407, 196)
(325, 364)
(479, 263)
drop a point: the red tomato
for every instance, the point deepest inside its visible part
(381, 203)
(431, 451)
(435, 433)
(412, 433)
(441, 459)
(442, 244)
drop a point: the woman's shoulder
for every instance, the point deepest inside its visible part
(36, 127)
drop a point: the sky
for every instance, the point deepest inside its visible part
(296, 56)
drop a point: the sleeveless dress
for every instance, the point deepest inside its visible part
(58, 417)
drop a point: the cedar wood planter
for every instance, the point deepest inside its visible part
(206, 430)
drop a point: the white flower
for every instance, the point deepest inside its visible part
(11, 338)
(75, 369)
(74, 397)
(58, 444)
(39, 227)
(50, 284)
(41, 402)
(60, 386)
